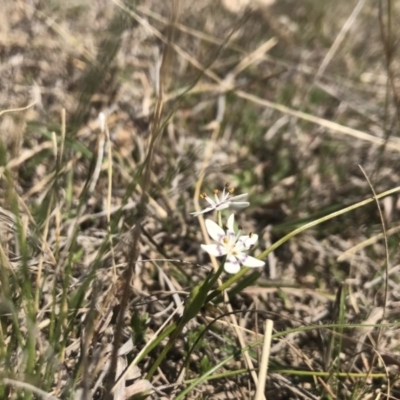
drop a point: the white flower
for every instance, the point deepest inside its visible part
(232, 245)
(226, 201)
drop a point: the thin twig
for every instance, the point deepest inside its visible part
(386, 284)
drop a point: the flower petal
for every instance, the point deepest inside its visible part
(231, 265)
(239, 204)
(214, 230)
(231, 223)
(245, 242)
(222, 206)
(210, 201)
(206, 210)
(249, 240)
(249, 261)
(215, 250)
(240, 246)
(238, 197)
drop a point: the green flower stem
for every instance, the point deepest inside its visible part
(219, 219)
(196, 301)
(216, 276)
(156, 342)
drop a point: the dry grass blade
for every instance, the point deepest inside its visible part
(12, 110)
(145, 183)
(349, 253)
(262, 374)
(339, 38)
(392, 144)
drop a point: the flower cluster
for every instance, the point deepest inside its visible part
(231, 244)
(226, 201)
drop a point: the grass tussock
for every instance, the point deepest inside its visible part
(118, 119)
